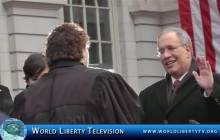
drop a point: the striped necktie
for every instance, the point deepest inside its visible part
(175, 85)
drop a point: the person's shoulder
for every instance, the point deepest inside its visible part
(98, 71)
(109, 75)
(20, 95)
(103, 75)
(95, 69)
(2, 87)
(152, 87)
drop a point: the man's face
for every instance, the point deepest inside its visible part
(37, 76)
(175, 57)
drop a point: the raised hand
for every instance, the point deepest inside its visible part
(205, 78)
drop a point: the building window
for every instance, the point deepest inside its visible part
(95, 16)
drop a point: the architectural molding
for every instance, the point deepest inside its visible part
(39, 4)
(32, 8)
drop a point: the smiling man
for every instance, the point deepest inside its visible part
(190, 92)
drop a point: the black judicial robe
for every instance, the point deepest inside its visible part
(73, 93)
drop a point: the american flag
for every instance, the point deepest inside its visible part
(201, 20)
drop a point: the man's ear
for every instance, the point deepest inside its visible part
(189, 50)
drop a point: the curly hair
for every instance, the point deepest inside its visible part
(66, 41)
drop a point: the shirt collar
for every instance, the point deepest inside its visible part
(173, 79)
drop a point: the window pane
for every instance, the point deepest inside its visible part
(66, 11)
(91, 23)
(97, 24)
(78, 15)
(107, 54)
(103, 3)
(90, 2)
(104, 24)
(94, 53)
(79, 2)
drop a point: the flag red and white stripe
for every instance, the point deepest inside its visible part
(201, 20)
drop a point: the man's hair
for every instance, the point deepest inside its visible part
(180, 33)
(34, 64)
(66, 41)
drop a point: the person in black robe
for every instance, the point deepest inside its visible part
(5, 100)
(72, 93)
(34, 67)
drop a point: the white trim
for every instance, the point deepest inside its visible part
(116, 55)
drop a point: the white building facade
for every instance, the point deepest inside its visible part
(123, 35)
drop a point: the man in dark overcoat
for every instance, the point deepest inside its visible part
(190, 92)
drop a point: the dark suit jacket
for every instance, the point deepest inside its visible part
(189, 102)
(5, 100)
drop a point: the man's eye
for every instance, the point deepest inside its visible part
(171, 48)
(161, 51)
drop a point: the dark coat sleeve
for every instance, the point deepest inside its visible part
(116, 100)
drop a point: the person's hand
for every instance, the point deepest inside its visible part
(205, 79)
